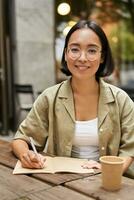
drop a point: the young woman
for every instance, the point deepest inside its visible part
(82, 117)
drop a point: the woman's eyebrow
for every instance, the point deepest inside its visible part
(73, 44)
(93, 45)
(89, 45)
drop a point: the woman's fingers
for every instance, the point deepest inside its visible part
(26, 161)
(42, 160)
(32, 160)
(91, 164)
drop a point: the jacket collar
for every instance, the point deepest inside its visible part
(66, 95)
(106, 97)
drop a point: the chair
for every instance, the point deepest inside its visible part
(25, 97)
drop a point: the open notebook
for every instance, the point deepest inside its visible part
(56, 165)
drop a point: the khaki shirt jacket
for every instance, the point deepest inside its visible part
(51, 121)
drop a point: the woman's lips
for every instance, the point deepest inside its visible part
(82, 68)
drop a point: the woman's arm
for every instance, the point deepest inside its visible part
(127, 163)
(126, 149)
(27, 157)
(19, 147)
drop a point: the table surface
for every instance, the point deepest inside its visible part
(59, 186)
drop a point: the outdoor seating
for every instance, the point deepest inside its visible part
(25, 97)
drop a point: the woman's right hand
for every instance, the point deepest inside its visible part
(32, 160)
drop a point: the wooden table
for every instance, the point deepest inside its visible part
(65, 186)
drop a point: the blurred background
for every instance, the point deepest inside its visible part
(32, 36)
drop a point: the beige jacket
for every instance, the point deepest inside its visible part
(52, 119)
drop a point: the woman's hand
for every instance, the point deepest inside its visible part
(32, 160)
(127, 162)
(91, 164)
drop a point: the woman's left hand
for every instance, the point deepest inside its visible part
(91, 164)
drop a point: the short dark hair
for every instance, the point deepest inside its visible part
(106, 68)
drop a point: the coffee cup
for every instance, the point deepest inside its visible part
(112, 169)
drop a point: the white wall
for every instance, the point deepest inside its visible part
(35, 42)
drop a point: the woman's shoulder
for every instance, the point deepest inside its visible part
(113, 88)
(116, 91)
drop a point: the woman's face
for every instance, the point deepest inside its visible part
(83, 53)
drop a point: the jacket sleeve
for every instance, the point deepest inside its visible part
(127, 126)
(36, 123)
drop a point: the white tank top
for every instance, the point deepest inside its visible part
(85, 142)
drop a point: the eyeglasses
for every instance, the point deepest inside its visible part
(92, 53)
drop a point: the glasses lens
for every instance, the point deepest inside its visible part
(74, 53)
(91, 54)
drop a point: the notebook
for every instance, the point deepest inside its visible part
(56, 165)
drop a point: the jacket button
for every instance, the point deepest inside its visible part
(101, 130)
(102, 148)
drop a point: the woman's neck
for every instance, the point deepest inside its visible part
(84, 87)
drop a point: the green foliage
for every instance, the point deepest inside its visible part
(121, 41)
(128, 48)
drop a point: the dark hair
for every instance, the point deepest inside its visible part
(106, 68)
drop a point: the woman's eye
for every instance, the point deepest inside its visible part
(75, 50)
(93, 51)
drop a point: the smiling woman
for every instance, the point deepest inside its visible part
(83, 52)
(82, 117)
(96, 38)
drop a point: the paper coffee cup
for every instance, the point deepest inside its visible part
(112, 168)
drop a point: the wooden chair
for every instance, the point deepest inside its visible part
(24, 96)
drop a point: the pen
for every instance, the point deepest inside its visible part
(35, 151)
(33, 146)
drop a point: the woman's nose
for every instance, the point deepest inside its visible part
(83, 56)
